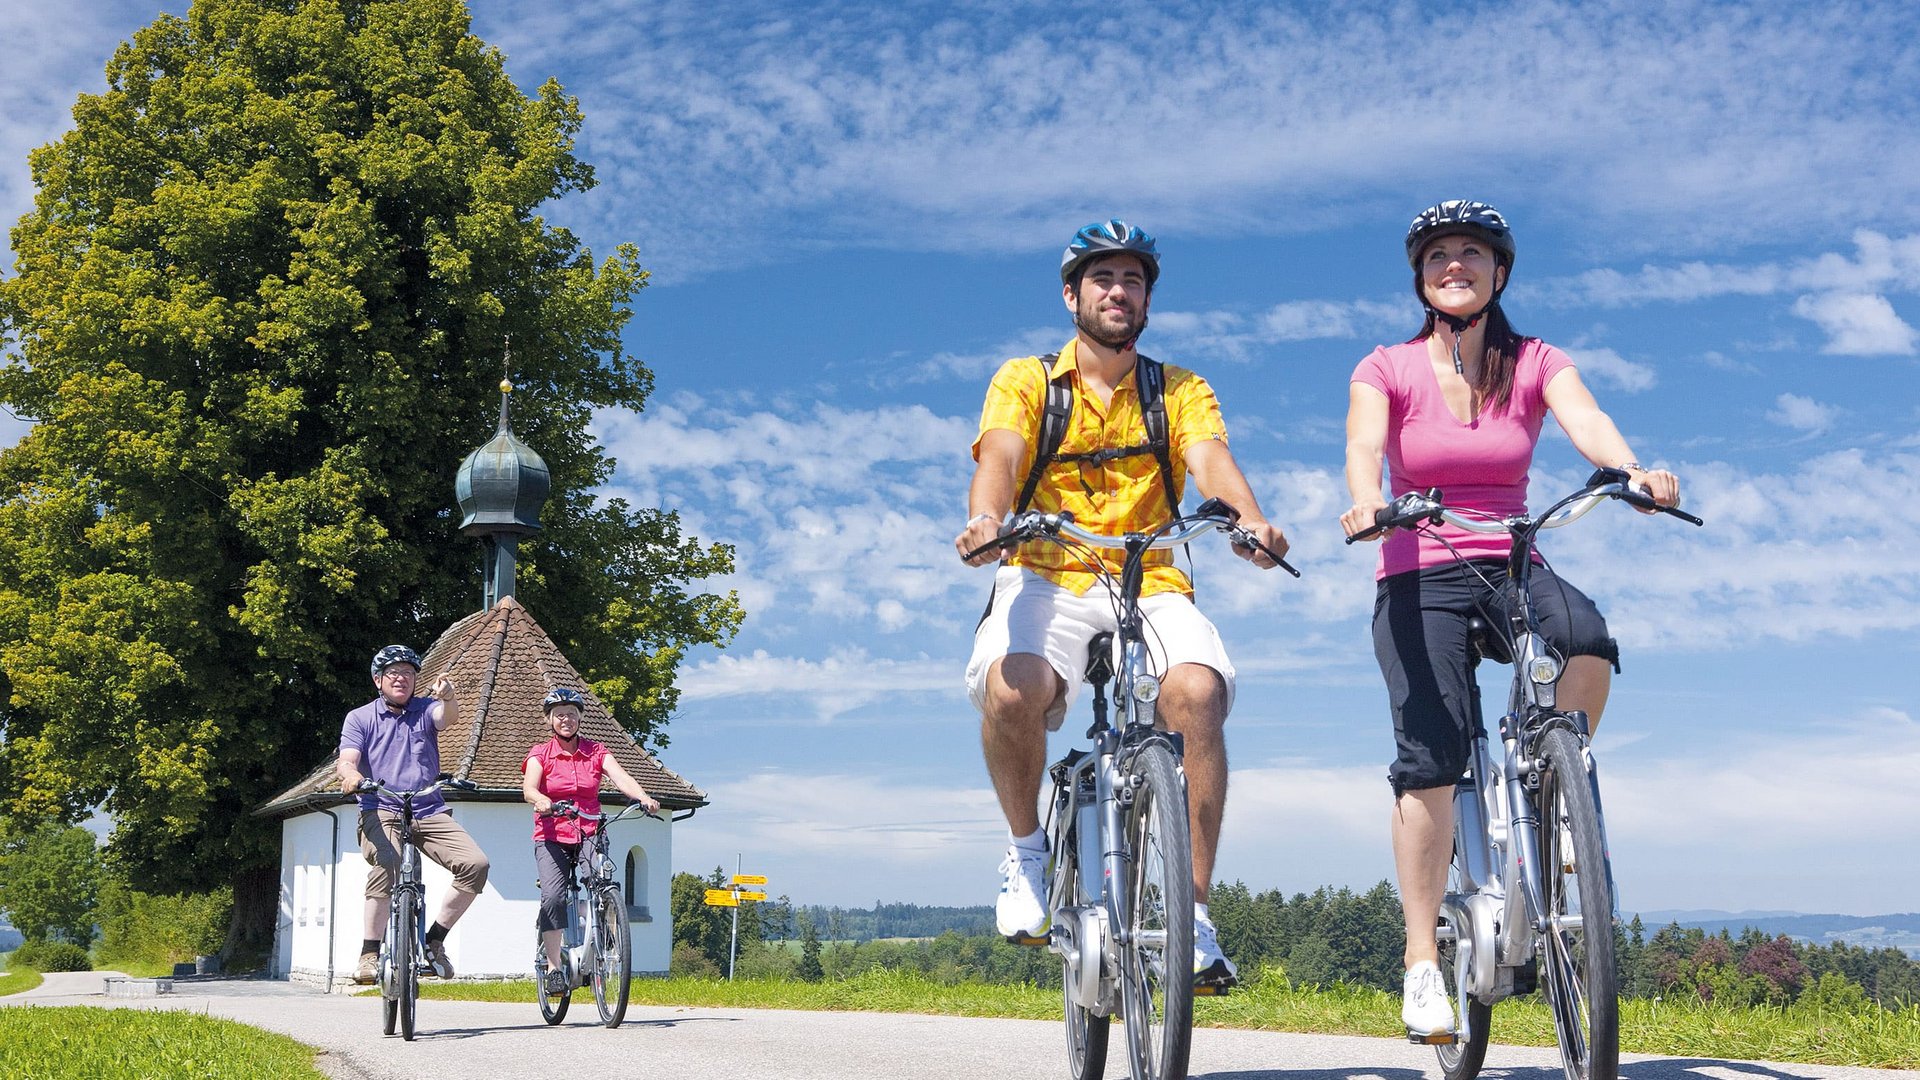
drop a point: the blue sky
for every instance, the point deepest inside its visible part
(855, 212)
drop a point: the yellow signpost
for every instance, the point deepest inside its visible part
(733, 897)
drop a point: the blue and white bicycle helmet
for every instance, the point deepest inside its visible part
(561, 695)
(394, 654)
(1105, 238)
(1456, 216)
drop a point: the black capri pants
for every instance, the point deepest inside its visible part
(1420, 638)
(555, 862)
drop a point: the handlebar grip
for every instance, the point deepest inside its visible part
(1381, 519)
(1004, 540)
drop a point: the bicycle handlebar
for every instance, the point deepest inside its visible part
(368, 786)
(566, 808)
(1210, 516)
(1415, 508)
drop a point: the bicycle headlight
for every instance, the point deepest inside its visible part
(1146, 689)
(1543, 670)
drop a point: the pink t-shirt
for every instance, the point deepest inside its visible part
(1482, 464)
(568, 775)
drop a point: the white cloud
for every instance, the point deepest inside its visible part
(905, 125)
(1858, 324)
(846, 679)
(1802, 413)
(1608, 368)
(1713, 827)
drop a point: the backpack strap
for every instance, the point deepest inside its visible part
(1150, 381)
(1053, 428)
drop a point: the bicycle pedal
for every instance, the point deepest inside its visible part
(1432, 1038)
(1212, 989)
(1027, 939)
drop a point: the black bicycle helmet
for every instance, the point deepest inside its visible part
(561, 695)
(1106, 237)
(394, 654)
(1460, 216)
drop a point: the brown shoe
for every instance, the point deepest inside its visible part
(436, 958)
(369, 970)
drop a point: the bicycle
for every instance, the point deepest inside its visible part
(1118, 816)
(1497, 925)
(401, 953)
(597, 944)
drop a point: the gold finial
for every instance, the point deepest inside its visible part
(506, 386)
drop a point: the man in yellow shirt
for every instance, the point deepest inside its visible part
(1030, 652)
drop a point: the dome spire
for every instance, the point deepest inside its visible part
(500, 488)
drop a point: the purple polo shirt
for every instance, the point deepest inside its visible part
(399, 749)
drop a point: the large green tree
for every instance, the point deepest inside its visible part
(257, 315)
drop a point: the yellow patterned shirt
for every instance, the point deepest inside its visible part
(1117, 497)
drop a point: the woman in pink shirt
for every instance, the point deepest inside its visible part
(1460, 408)
(566, 767)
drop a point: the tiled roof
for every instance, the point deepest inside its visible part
(502, 664)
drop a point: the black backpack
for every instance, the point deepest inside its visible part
(1149, 380)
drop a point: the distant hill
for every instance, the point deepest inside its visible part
(10, 938)
(1900, 931)
(900, 921)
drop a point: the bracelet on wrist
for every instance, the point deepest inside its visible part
(983, 517)
(1625, 465)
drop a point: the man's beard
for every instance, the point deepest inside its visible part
(1112, 339)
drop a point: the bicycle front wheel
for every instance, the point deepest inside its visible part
(612, 959)
(406, 964)
(1156, 955)
(1576, 954)
(1087, 1030)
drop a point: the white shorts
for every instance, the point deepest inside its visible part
(1033, 615)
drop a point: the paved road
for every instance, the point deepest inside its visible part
(486, 1041)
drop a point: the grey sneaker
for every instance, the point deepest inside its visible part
(436, 958)
(557, 983)
(368, 972)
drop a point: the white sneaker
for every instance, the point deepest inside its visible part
(1210, 965)
(1426, 1010)
(1021, 910)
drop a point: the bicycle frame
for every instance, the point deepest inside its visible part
(578, 952)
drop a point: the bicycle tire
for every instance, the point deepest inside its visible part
(1156, 956)
(1462, 1059)
(553, 1007)
(389, 999)
(612, 956)
(1087, 1031)
(406, 966)
(1577, 968)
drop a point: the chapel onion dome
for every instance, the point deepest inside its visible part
(502, 485)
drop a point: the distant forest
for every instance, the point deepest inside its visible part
(1326, 937)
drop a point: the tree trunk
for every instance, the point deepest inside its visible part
(256, 913)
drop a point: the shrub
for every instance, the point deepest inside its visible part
(52, 956)
(139, 928)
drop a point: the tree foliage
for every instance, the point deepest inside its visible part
(50, 882)
(257, 315)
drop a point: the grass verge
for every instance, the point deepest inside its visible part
(13, 982)
(1874, 1038)
(84, 1043)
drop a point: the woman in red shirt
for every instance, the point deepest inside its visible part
(566, 767)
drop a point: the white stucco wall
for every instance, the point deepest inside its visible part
(322, 884)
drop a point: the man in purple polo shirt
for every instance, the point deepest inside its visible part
(395, 738)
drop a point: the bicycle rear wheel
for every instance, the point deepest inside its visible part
(1462, 1058)
(553, 1007)
(406, 965)
(1087, 1031)
(1576, 955)
(1156, 955)
(612, 959)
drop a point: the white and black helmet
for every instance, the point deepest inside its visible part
(1105, 238)
(1457, 216)
(394, 654)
